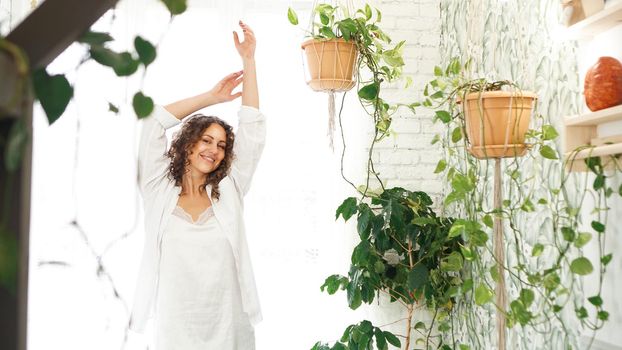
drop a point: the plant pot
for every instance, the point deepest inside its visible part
(330, 64)
(497, 121)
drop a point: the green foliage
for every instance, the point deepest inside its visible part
(375, 51)
(53, 91)
(405, 251)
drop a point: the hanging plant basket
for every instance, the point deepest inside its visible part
(330, 64)
(497, 121)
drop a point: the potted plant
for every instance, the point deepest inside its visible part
(340, 44)
(544, 235)
(407, 253)
(495, 115)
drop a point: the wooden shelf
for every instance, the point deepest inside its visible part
(609, 17)
(610, 114)
(580, 130)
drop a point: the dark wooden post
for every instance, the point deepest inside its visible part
(43, 35)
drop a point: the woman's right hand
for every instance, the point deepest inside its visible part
(222, 92)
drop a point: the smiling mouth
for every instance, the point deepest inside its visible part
(209, 159)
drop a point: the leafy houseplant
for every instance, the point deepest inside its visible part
(408, 253)
(542, 217)
(366, 47)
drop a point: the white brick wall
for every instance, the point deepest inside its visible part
(408, 159)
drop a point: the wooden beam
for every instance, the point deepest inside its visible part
(54, 25)
(43, 35)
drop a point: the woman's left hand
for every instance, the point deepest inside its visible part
(246, 48)
(222, 92)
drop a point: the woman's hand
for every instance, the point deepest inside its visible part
(222, 92)
(246, 48)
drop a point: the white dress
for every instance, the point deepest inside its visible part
(198, 303)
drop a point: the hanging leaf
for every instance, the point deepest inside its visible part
(598, 226)
(549, 132)
(456, 135)
(483, 294)
(112, 108)
(440, 166)
(175, 7)
(392, 339)
(537, 250)
(582, 239)
(54, 92)
(95, 38)
(346, 209)
(127, 65)
(369, 92)
(292, 16)
(143, 105)
(581, 266)
(443, 116)
(146, 50)
(548, 152)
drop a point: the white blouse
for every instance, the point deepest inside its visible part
(160, 197)
(198, 303)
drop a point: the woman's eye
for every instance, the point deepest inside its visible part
(221, 146)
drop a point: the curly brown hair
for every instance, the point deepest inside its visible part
(183, 142)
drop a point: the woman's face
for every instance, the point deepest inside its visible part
(207, 153)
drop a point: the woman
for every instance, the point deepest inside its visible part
(196, 276)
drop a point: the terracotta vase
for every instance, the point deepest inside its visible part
(497, 121)
(330, 64)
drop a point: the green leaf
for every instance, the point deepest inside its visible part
(456, 134)
(581, 312)
(549, 132)
(548, 152)
(146, 50)
(292, 16)
(494, 272)
(440, 166)
(367, 12)
(143, 105)
(175, 7)
(537, 249)
(95, 38)
(369, 92)
(443, 116)
(392, 339)
(596, 300)
(606, 259)
(527, 297)
(568, 234)
(438, 71)
(15, 145)
(381, 341)
(363, 221)
(457, 228)
(598, 226)
(324, 19)
(487, 219)
(417, 277)
(54, 92)
(127, 65)
(327, 33)
(483, 294)
(582, 239)
(602, 315)
(453, 262)
(599, 182)
(581, 266)
(346, 209)
(112, 108)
